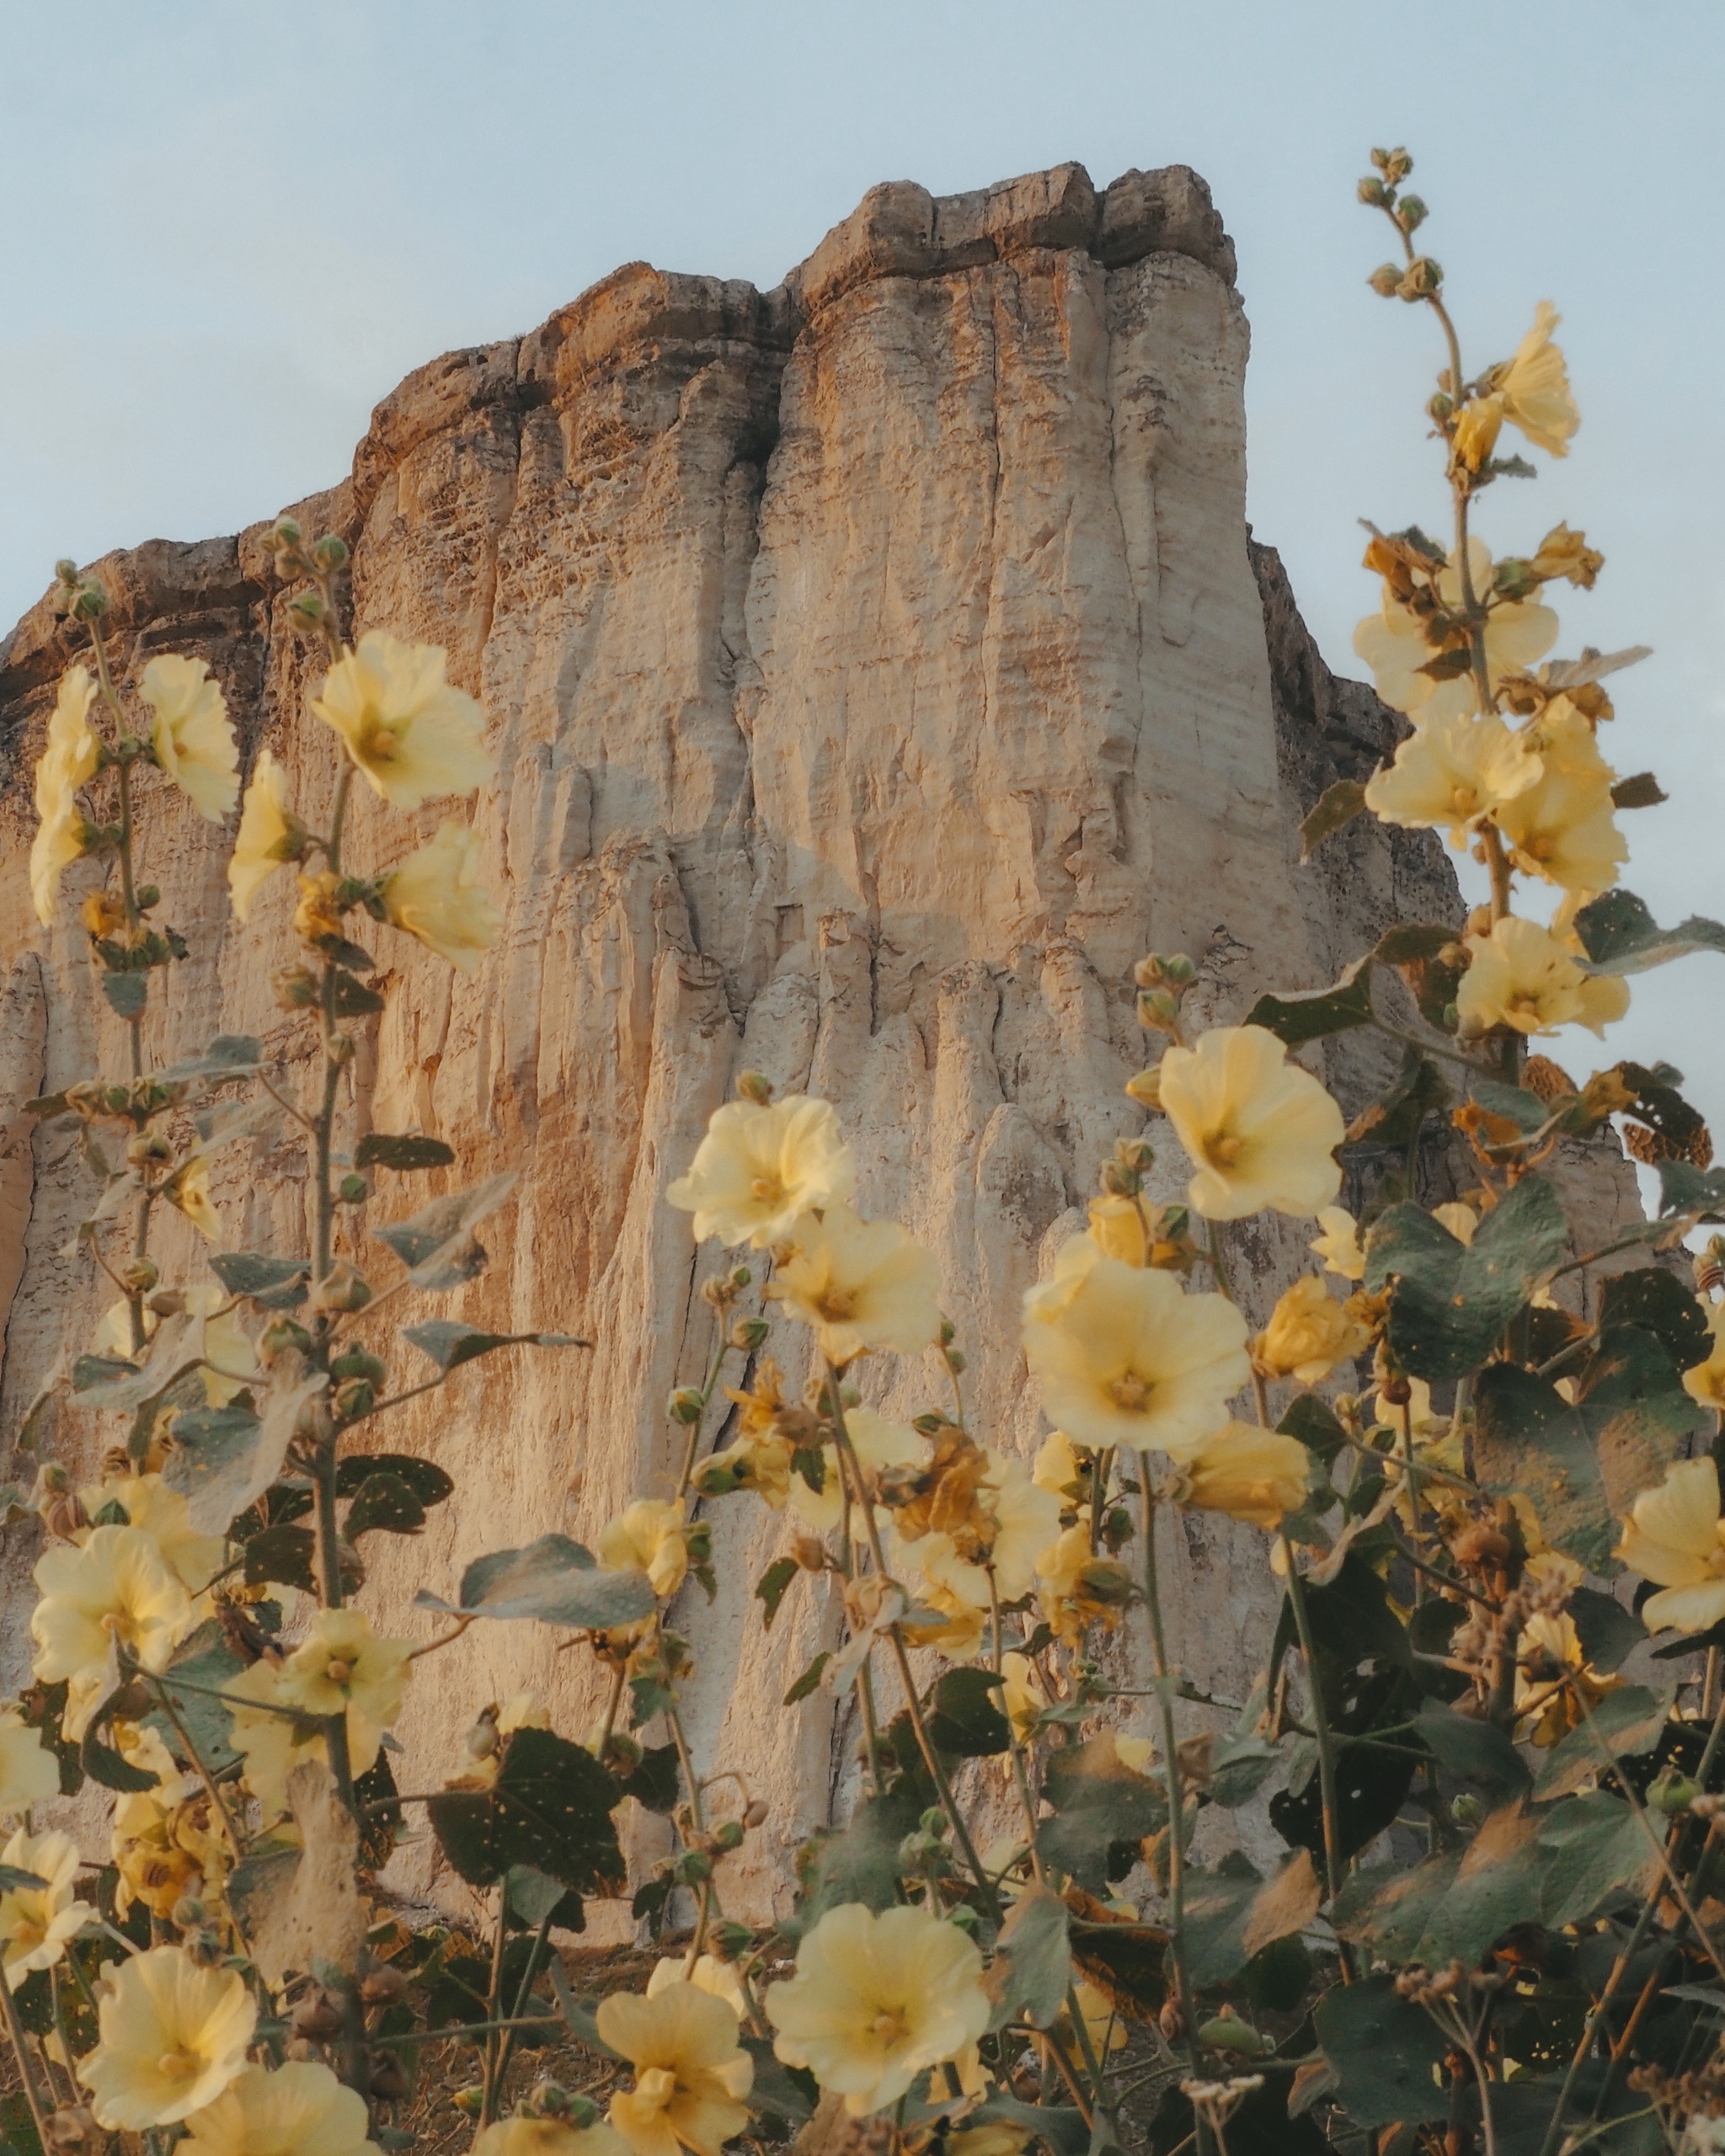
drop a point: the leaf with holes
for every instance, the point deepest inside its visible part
(965, 1720)
(436, 1244)
(1316, 1013)
(378, 1149)
(552, 1579)
(1099, 1802)
(429, 1483)
(1620, 934)
(382, 1502)
(1337, 806)
(286, 1556)
(770, 1588)
(1387, 2054)
(450, 1343)
(274, 1283)
(1032, 1969)
(1451, 1301)
(1624, 1725)
(1658, 1302)
(550, 1806)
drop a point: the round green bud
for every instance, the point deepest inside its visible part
(330, 552)
(358, 1362)
(728, 1836)
(687, 1405)
(352, 1190)
(1385, 280)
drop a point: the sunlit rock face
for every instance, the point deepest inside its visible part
(876, 668)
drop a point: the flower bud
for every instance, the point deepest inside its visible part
(188, 1912)
(294, 988)
(307, 608)
(693, 1868)
(549, 2099)
(138, 1276)
(741, 1277)
(341, 1288)
(280, 1335)
(622, 1754)
(1672, 1793)
(204, 1949)
(92, 601)
(1227, 2032)
(1179, 972)
(1394, 164)
(481, 1741)
(1466, 1810)
(727, 1836)
(358, 1362)
(1421, 279)
(1413, 213)
(730, 1941)
(330, 552)
(339, 1047)
(809, 1552)
(71, 2126)
(470, 2102)
(752, 1086)
(358, 1396)
(287, 532)
(1158, 1010)
(149, 894)
(686, 1405)
(965, 1918)
(749, 1333)
(754, 1813)
(148, 1147)
(1386, 280)
(66, 570)
(383, 1986)
(1147, 1088)
(1374, 193)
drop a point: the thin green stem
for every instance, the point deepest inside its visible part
(1171, 1759)
(1325, 1740)
(493, 2012)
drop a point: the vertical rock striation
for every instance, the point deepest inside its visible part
(876, 667)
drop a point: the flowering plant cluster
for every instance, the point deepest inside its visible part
(1496, 1916)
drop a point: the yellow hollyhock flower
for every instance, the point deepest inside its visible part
(191, 737)
(1026, 1521)
(1131, 1359)
(1339, 1245)
(1564, 829)
(759, 1169)
(944, 1621)
(189, 1188)
(1249, 1473)
(1705, 1382)
(436, 895)
(548, 2137)
(36, 1922)
(1081, 1587)
(860, 1283)
(117, 1589)
(1674, 1538)
(231, 1364)
(269, 834)
(1260, 1130)
(411, 732)
(1393, 643)
(1022, 1697)
(1057, 1467)
(877, 2000)
(1107, 2032)
(1309, 1333)
(274, 1744)
(877, 1443)
(690, 2072)
(29, 1773)
(1117, 1227)
(1451, 772)
(173, 2037)
(648, 1538)
(296, 2109)
(1535, 387)
(149, 1503)
(68, 762)
(1519, 975)
(343, 1664)
(709, 1974)
(1476, 434)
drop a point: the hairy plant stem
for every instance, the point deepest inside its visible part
(1171, 1761)
(697, 1820)
(490, 2078)
(1334, 1867)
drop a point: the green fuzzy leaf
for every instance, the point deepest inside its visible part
(382, 1502)
(1624, 1724)
(1597, 1850)
(862, 1863)
(552, 1579)
(808, 1680)
(1337, 806)
(226, 1057)
(1620, 934)
(436, 1244)
(450, 1343)
(1032, 1970)
(550, 1807)
(1240, 1766)
(354, 1000)
(770, 1588)
(653, 1783)
(1687, 1191)
(127, 994)
(378, 1150)
(1316, 1013)
(205, 1660)
(778, 2091)
(1477, 1751)
(1660, 1303)
(1513, 1103)
(966, 1722)
(274, 1283)
(1452, 1300)
(1454, 1906)
(1098, 1801)
(533, 1896)
(207, 1442)
(429, 1483)
(1398, 1114)
(286, 1556)
(1608, 1632)
(1311, 1422)
(1582, 1465)
(1231, 1915)
(1387, 2054)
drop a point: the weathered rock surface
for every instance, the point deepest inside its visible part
(876, 667)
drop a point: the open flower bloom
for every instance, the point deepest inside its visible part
(648, 1538)
(411, 734)
(173, 2037)
(1393, 643)
(68, 762)
(1549, 1652)
(189, 1188)
(118, 1589)
(436, 895)
(1131, 1359)
(343, 1664)
(877, 1443)
(147, 1502)
(1533, 389)
(877, 2000)
(1022, 1698)
(191, 737)
(36, 1922)
(163, 1844)
(1451, 772)
(860, 1283)
(1309, 1333)
(1024, 1519)
(29, 1773)
(273, 1743)
(296, 2109)
(1564, 829)
(690, 2072)
(1521, 976)
(945, 1621)
(1675, 1538)
(269, 834)
(547, 2137)
(1706, 1381)
(759, 1169)
(1339, 1245)
(708, 1974)
(1249, 1473)
(1259, 1130)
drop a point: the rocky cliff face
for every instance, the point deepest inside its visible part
(876, 667)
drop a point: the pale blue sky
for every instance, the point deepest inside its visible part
(230, 229)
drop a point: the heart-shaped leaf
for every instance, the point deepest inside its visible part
(554, 1580)
(1451, 1300)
